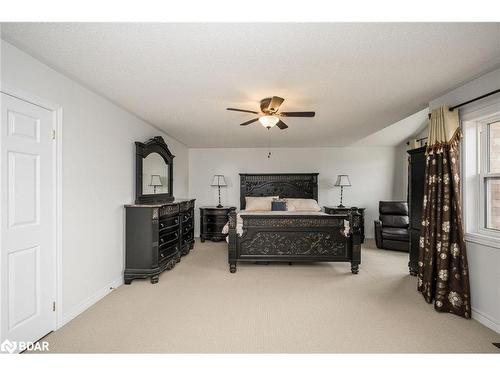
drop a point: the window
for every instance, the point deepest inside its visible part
(491, 174)
(481, 174)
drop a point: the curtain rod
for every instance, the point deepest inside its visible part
(418, 140)
(472, 100)
(475, 99)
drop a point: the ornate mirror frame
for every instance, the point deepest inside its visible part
(142, 150)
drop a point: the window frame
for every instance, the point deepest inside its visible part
(485, 174)
(475, 150)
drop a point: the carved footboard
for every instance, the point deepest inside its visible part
(296, 238)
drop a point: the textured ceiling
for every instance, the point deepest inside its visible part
(395, 134)
(359, 78)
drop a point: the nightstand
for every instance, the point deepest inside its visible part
(332, 210)
(212, 220)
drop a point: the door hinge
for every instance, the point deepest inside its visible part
(53, 306)
(53, 134)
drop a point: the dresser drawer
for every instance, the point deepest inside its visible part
(168, 223)
(215, 220)
(186, 216)
(215, 212)
(166, 239)
(187, 227)
(213, 228)
(167, 252)
(187, 238)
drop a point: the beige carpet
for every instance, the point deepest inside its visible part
(200, 307)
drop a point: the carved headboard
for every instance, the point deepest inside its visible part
(285, 185)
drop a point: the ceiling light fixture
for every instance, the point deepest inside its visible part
(268, 121)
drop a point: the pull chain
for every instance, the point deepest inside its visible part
(269, 143)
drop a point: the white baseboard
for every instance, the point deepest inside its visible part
(485, 320)
(91, 300)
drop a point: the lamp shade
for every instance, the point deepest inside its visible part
(342, 180)
(219, 180)
(155, 180)
(268, 121)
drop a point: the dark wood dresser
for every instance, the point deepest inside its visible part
(416, 181)
(212, 220)
(157, 235)
(333, 210)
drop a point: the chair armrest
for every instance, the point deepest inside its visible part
(378, 233)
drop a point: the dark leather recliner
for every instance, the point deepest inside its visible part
(391, 230)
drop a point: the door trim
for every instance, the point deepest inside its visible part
(57, 126)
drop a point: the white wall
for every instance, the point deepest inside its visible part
(400, 189)
(370, 169)
(484, 261)
(98, 175)
(396, 135)
(484, 278)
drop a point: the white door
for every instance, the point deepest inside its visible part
(27, 221)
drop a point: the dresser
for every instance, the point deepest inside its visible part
(212, 220)
(416, 183)
(157, 235)
(332, 210)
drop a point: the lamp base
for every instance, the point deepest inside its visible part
(219, 206)
(340, 206)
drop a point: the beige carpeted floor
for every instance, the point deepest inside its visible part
(200, 307)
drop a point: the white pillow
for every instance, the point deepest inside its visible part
(302, 205)
(258, 203)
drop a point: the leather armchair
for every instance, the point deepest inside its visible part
(391, 230)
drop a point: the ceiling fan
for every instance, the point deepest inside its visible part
(270, 115)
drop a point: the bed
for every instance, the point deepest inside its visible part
(281, 236)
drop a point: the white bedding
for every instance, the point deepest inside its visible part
(239, 220)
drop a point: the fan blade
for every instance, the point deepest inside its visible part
(241, 110)
(297, 114)
(281, 125)
(276, 101)
(249, 121)
(264, 104)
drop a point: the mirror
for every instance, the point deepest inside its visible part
(154, 172)
(154, 175)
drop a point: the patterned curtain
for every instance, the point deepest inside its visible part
(443, 275)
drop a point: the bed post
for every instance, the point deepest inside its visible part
(355, 223)
(233, 238)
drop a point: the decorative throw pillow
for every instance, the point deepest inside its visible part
(278, 205)
(258, 203)
(302, 205)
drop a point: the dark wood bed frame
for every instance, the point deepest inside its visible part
(287, 238)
